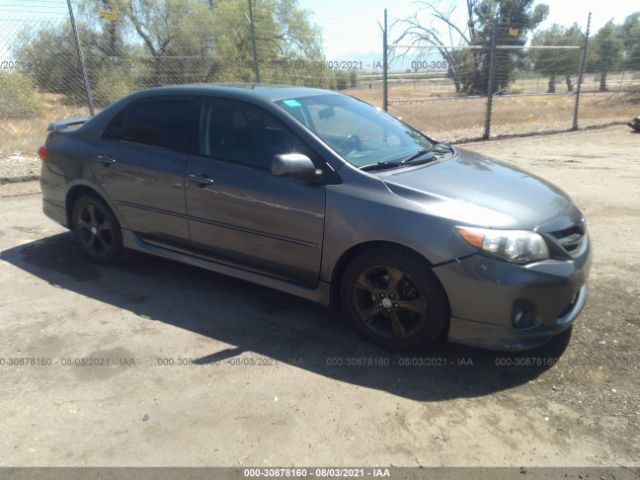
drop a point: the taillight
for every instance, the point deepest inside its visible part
(43, 152)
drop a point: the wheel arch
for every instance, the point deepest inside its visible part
(76, 192)
(352, 252)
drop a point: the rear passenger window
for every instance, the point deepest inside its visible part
(162, 122)
(241, 134)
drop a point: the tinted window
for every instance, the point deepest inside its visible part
(162, 122)
(242, 134)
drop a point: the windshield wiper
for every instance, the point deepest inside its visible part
(417, 155)
(381, 165)
(415, 158)
(424, 151)
(386, 164)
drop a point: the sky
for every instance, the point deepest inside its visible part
(350, 26)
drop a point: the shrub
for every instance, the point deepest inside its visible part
(342, 80)
(113, 83)
(18, 95)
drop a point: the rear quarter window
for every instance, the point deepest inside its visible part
(161, 122)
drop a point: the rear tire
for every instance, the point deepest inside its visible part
(98, 230)
(394, 299)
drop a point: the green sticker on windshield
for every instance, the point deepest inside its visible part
(291, 103)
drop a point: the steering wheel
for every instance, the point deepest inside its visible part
(349, 143)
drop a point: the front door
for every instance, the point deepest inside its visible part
(238, 211)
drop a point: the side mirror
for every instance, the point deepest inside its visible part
(295, 165)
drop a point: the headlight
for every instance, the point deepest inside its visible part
(517, 246)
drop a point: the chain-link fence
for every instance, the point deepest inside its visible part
(445, 90)
(59, 60)
(610, 95)
(26, 107)
(490, 89)
(539, 93)
(439, 89)
(469, 91)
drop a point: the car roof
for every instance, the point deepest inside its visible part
(248, 91)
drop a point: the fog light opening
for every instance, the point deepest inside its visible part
(524, 314)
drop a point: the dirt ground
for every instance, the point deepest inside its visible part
(157, 363)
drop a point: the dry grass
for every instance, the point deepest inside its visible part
(458, 118)
(401, 89)
(23, 136)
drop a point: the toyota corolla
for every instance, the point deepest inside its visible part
(326, 197)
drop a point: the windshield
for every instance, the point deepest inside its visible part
(362, 134)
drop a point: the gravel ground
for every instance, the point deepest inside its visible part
(267, 381)
(19, 168)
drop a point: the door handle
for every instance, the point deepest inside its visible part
(201, 179)
(105, 160)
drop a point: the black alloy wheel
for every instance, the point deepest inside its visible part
(392, 296)
(98, 230)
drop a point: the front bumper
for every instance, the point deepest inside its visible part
(484, 293)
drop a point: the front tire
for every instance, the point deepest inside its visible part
(394, 299)
(98, 230)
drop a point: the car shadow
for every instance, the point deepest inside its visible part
(277, 325)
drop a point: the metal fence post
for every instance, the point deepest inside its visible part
(492, 65)
(385, 66)
(85, 78)
(583, 61)
(253, 43)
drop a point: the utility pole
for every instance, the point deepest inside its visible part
(83, 68)
(583, 61)
(492, 68)
(385, 66)
(256, 68)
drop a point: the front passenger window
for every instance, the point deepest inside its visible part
(244, 135)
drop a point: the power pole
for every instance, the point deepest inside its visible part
(256, 68)
(83, 68)
(385, 66)
(492, 69)
(583, 61)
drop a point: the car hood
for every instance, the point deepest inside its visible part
(474, 189)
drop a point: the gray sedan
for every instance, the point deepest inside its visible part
(326, 197)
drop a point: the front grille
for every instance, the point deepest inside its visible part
(570, 239)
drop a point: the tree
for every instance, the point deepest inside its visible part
(630, 31)
(110, 32)
(552, 62)
(514, 19)
(433, 25)
(18, 98)
(51, 59)
(289, 46)
(469, 65)
(606, 52)
(177, 37)
(211, 41)
(160, 42)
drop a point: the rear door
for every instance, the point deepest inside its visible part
(141, 166)
(238, 211)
